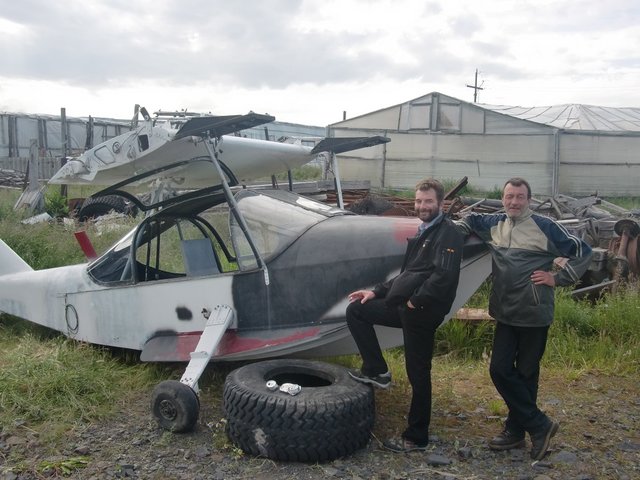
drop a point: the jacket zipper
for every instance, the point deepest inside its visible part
(536, 298)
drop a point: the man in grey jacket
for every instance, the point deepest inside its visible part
(524, 246)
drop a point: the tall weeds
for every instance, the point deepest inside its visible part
(47, 378)
(603, 336)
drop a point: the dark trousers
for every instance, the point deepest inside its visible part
(515, 370)
(418, 329)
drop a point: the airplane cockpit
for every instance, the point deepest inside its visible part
(202, 236)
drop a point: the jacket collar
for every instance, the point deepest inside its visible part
(423, 227)
(526, 213)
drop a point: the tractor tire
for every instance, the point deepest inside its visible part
(95, 207)
(331, 417)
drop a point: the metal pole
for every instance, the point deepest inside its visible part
(334, 163)
(65, 145)
(233, 205)
(555, 175)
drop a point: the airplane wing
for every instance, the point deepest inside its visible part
(346, 144)
(216, 126)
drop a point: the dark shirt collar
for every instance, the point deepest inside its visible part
(424, 225)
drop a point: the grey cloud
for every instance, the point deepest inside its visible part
(491, 50)
(465, 25)
(245, 43)
(504, 71)
(583, 16)
(435, 62)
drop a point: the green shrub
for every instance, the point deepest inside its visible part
(55, 204)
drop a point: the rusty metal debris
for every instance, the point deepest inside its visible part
(12, 178)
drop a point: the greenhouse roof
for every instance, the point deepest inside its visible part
(576, 117)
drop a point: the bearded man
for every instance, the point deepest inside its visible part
(417, 301)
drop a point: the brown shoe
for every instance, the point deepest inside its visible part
(507, 440)
(540, 441)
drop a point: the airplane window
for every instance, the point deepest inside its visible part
(104, 155)
(111, 267)
(143, 142)
(166, 248)
(305, 203)
(216, 220)
(273, 225)
(158, 254)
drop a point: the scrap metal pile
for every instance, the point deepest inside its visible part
(11, 178)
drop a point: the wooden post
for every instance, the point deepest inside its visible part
(88, 145)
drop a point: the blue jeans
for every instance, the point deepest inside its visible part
(515, 370)
(419, 328)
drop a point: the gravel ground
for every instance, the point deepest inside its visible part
(599, 438)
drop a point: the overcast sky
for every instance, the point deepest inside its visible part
(308, 61)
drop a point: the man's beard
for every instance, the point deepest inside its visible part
(431, 215)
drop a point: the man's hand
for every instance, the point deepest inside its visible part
(363, 295)
(540, 277)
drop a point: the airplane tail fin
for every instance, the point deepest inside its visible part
(10, 261)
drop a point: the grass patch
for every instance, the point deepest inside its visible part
(50, 383)
(630, 203)
(8, 198)
(52, 244)
(305, 172)
(299, 174)
(600, 337)
(464, 340)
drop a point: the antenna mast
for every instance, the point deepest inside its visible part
(476, 88)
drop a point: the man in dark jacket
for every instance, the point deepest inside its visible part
(417, 301)
(524, 246)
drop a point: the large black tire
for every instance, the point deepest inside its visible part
(95, 207)
(175, 406)
(331, 417)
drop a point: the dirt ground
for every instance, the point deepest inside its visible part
(599, 438)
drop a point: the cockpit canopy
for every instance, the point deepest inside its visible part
(202, 236)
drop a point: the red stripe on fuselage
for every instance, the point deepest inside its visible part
(231, 342)
(405, 228)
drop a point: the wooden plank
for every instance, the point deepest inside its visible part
(472, 315)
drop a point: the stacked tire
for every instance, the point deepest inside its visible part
(331, 417)
(94, 207)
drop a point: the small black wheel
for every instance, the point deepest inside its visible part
(175, 406)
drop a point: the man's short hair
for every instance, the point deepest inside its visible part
(518, 182)
(431, 184)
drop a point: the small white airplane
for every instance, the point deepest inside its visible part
(158, 143)
(219, 273)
